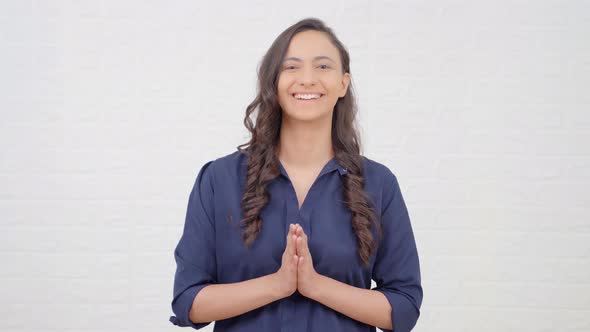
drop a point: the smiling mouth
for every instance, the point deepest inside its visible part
(307, 100)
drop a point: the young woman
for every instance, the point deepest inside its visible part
(286, 234)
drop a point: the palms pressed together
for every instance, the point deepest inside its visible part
(297, 271)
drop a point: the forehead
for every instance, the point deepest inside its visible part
(308, 44)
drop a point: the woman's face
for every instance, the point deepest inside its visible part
(311, 67)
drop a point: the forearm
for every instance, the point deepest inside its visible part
(221, 301)
(365, 305)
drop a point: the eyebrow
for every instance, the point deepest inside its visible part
(319, 57)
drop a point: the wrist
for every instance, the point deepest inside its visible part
(277, 290)
(315, 287)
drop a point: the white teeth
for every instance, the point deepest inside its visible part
(308, 96)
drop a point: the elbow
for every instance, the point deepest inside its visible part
(403, 314)
(185, 310)
(192, 313)
(195, 312)
(387, 323)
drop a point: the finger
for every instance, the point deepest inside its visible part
(289, 235)
(301, 247)
(293, 246)
(305, 244)
(298, 231)
(302, 243)
(289, 239)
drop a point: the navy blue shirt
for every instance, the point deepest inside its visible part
(210, 249)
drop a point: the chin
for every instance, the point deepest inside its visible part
(306, 115)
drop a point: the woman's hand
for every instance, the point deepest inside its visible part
(306, 274)
(286, 276)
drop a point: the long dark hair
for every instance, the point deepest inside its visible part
(262, 151)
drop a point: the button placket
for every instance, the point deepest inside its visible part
(288, 317)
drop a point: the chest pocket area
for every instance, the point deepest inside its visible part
(236, 262)
(333, 243)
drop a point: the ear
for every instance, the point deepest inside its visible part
(345, 83)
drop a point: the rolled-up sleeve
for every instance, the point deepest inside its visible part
(397, 268)
(195, 252)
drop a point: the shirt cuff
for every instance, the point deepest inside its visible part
(182, 306)
(404, 314)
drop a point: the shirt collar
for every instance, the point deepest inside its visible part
(330, 166)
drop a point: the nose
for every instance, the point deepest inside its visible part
(307, 76)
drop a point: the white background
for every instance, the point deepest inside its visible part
(110, 108)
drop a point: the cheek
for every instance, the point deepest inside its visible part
(334, 83)
(282, 87)
(282, 94)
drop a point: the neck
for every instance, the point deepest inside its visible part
(305, 145)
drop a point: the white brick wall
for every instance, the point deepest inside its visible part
(109, 109)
